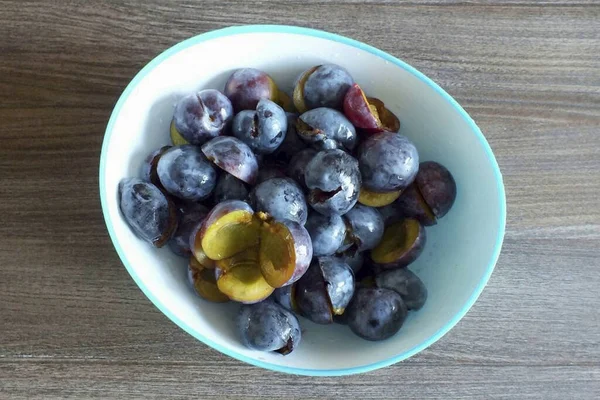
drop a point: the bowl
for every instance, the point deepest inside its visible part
(462, 248)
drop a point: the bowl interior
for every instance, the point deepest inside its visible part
(461, 249)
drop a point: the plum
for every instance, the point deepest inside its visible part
(262, 130)
(232, 156)
(326, 128)
(376, 199)
(333, 180)
(185, 173)
(229, 228)
(324, 290)
(406, 284)
(285, 250)
(322, 86)
(229, 188)
(267, 326)
(245, 283)
(281, 198)
(327, 233)
(401, 244)
(149, 213)
(284, 247)
(375, 313)
(367, 113)
(388, 161)
(365, 227)
(204, 282)
(298, 163)
(437, 186)
(247, 86)
(202, 116)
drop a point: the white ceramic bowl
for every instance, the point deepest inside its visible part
(461, 251)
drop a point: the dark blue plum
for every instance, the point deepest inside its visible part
(267, 326)
(298, 163)
(281, 198)
(406, 284)
(334, 181)
(262, 130)
(151, 216)
(190, 217)
(202, 116)
(388, 161)
(326, 231)
(326, 128)
(327, 86)
(292, 143)
(365, 227)
(375, 313)
(229, 188)
(185, 173)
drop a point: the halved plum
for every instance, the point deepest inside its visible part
(325, 289)
(298, 95)
(229, 228)
(368, 113)
(204, 282)
(401, 244)
(376, 199)
(437, 186)
(233, 156)
(232, 231)
(245, 283)
(285, 250)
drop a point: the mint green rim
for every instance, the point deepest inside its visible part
(238, 30)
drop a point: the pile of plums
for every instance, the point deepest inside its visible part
(311, 204)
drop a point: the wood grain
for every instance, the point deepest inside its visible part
(73, 323)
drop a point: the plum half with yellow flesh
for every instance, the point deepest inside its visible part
(368, 113)
(285, 250)
(256, 252)
(401, 244)
(377, 199)
(204, 282)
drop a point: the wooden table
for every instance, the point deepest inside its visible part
(74, 325)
